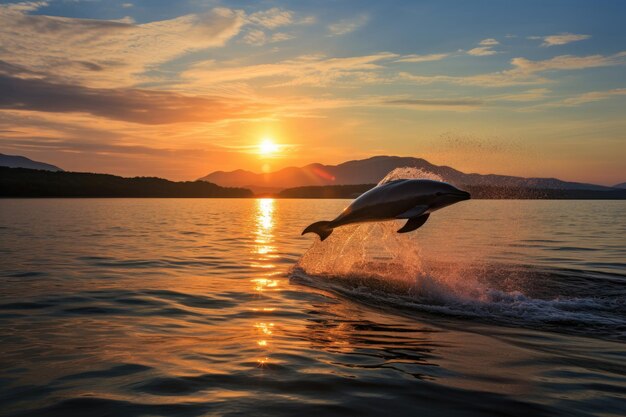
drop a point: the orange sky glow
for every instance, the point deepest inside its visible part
(185, 93)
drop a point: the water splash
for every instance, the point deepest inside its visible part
(374, 255)
(373, 264)
(370, 250)
(410, 173)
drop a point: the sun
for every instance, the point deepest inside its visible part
(268, 147)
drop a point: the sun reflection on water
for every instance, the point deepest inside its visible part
(265, 215)
(264, 253)
(263, 235)
(261, 284)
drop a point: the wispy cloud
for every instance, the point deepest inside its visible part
(25, 6)
(482, 51)
(524, 71)
(272, 18)
(422, 58)
(129, 105)
(489, 42)
(533, 94)
(104, 53)
(581, 99)
(84, 143)
(560, 39)
(259, 37)
(594, 96)
(567, 62)
(255, 37)
(280, 37)
(456, 104)
(305, 70)
(494, 79)
(485, 48)
(345, 26)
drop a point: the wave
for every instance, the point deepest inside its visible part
(594, 316)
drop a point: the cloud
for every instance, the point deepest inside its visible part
(88, 144)
(482, 51)
(494, 79)
(272, 18)
(489, 42)
(567, 62)
(26, 6)
(485, 48)
(345, 26)
(560, 39)
(306, 107)
(129, 105)
(580, 99)
(105, 53)
(437, 104)
(269, 20)
(313, 70)
(258, 37)
(280, 37)
(422, 58)
(528, 95)
(524, 71)
(594, 96)
(255, 37)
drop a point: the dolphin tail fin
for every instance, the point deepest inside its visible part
(321, 228)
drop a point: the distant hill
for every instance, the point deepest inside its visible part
(372, 170)
(15, 161)
(22, 182)
(620, 185)
(478, 192)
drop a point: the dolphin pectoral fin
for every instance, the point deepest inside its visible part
(414, 223)
(414, 212)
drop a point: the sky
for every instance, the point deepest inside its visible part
(181, 89)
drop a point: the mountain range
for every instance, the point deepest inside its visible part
(372, 170)
(358, 172)
(15, 161)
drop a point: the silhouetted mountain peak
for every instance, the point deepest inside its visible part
(372, 170)
(16, 161)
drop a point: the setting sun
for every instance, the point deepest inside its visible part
(267, 147)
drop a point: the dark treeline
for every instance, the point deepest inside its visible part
(478, 192)
(21, 182)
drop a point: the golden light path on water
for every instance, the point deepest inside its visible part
(264, 255)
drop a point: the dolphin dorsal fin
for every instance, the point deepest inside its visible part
(414, 212)
(414, 223)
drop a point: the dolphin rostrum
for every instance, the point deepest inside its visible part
(410, 199)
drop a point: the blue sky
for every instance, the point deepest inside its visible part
(179, 89)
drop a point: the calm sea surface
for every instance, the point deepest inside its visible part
(193, 307)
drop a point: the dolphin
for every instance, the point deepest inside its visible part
(410, 199)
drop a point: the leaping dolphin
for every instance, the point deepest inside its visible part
(398, 199)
